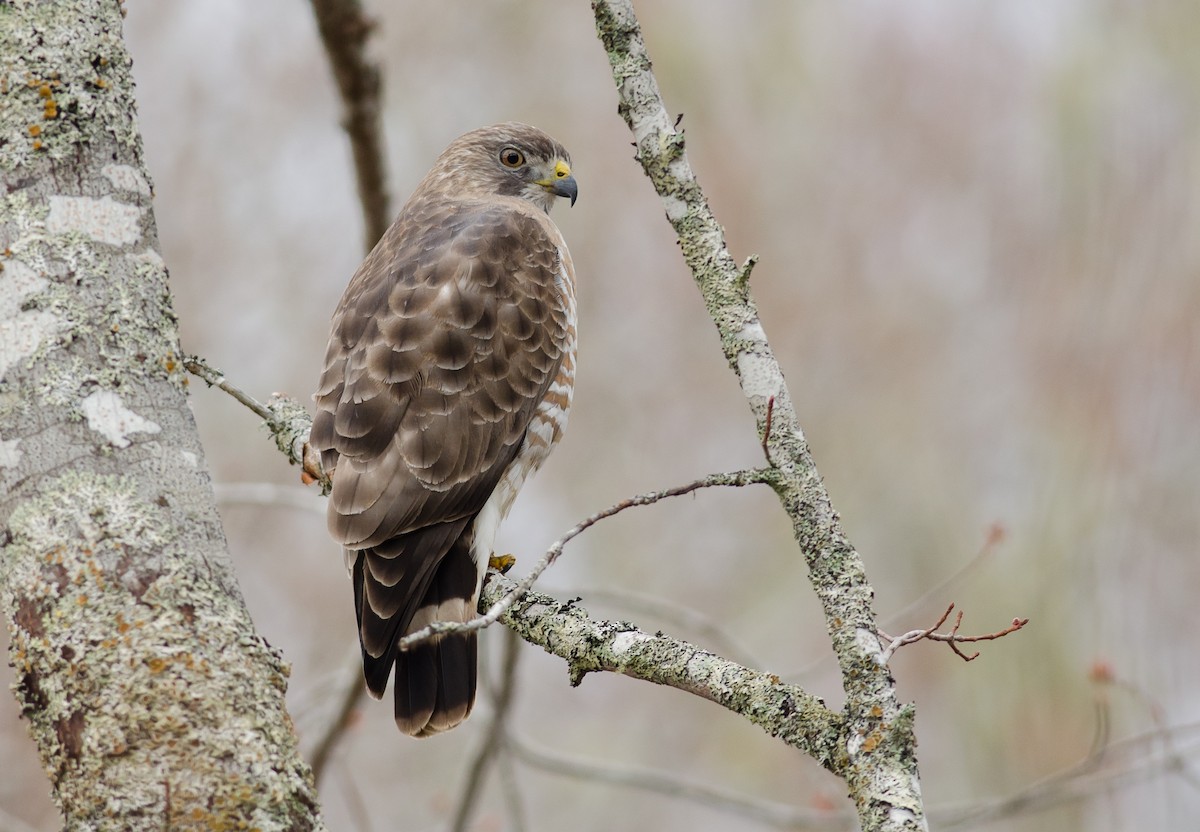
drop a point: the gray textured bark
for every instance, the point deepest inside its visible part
(881, 765)
(152, 701)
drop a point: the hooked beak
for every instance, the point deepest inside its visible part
(565, 187)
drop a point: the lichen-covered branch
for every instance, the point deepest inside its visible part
(151, 699)
(589, 645)
(882, 771)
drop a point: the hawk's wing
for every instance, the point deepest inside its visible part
(447, 338)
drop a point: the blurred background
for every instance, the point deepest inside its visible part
(979, 232)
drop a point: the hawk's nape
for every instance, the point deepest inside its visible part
(447, 381)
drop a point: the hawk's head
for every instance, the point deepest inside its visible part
(511, 159)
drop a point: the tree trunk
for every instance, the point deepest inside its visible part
(152, 701)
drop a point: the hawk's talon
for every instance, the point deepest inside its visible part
(501, 563)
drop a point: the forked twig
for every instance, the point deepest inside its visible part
(951, 638)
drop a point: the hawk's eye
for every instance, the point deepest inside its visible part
(510, 157)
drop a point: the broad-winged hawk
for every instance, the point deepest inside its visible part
(447, 380)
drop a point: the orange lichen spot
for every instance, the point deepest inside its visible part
(871, 742)
(122, 624)
(877, 712)
(115, 328)
(37, 144)
(157, 665)
(82, 600)
(35, 130)
(50, 110)
(100, 83)
(44, 90)
(169, 362)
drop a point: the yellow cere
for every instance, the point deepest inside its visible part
(562, 170)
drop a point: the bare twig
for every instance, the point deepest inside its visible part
(344, 31)
(286, 419)
(269, 494)
(493, 739)
(1135, 759)
(994, 537)
(735, 479)
(952, 638)
(352, 692)
(778, 815)
(199, 367)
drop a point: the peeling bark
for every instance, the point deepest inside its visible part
(152, 701)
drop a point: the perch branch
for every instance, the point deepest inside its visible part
(735, 479)
(590, 645)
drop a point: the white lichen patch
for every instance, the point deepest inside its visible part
(126, 178)
(190, 458)
(21, 336)
(676, 208)
(624, 642)
(868, 644)
(760, 375)
(104, 220)
(87, 507)
(10, 455)
(109, 417)
(21, 332)
(17, 283)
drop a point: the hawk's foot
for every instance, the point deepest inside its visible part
(501, 563)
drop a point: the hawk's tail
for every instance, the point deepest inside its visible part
(434, 682)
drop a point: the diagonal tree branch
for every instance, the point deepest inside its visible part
(589, 645)
(882, 770)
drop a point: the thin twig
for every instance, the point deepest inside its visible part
(994, 537)
(215, 378)
(715, 797)
(286, 419)
(1073, 782)
(269, 494)
(353, 691)
(493, 739)
(952, 638)
(735, 479)
(344, 31)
